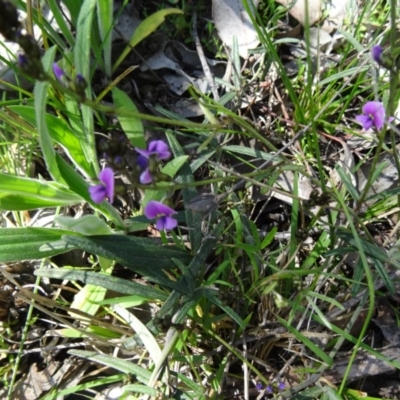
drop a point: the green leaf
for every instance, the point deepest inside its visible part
(82, 54)
(212, 296)
(141, 255)
(61, 133)
(127, 367)
(29, 192)
(40, 96)
(148, 26)
(136, 388)
(103, 280)
(132, 127)
(61, 24)
(18, 203)
(307, 342)
(193, 219)
(86, 225)
(105, 18)
(141, 330)
(17, 244)
(174, 166)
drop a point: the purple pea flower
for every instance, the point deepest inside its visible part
(145, 176)
(157, 149)
(59, 73)
(259, 386)
(155, 209)
(22, 61)
(281, 386)
(269, 389)
(105, 188)
(376, 53)
(373, 115)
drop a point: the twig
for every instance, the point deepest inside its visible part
(204, 65)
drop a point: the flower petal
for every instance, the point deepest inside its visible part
(372, 107)
(142, 162)
(151, 210)
(155, 209)
(97, 193)
(59, 73)
(106, 176)
(365, 121)
(160, 148)
(143, 152)
(376, 53)
(146, 177)
(379, 117)
(169, 223)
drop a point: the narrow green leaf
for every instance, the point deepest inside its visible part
(135, 388)
(347, 182)
(36, 189)
(172, 168)
(61, 24)
(249, 152)
(212, 296)
(126, 367)
(61, 133)
(138, 254)
(87, 225)
(40, 96)
(144, 334)
(17, 244)
(24, 203)
(105, 19)
(193, 219)
(103, 280)
(307, 342)
(132, 127)
(82, 54)
(148, 26)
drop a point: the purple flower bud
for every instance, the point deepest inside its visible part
(105, 188)
(59, 73)
(162, 213)
(80, 84)
(269, 389)
(259, 386)
(23, 61)
(376, 53)
(281, 386)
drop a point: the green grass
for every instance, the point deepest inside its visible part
(254, 289)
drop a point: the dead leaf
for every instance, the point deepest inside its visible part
(231, 19)
(298, 10)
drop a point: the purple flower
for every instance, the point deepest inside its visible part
(376, 53)
(155, 209)
(269, 389)
(259, 386)
(59, 73)
(22, 61)
(145, 175)
(281, 386)
(157, 149)
(105, 188)
(374, 115)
